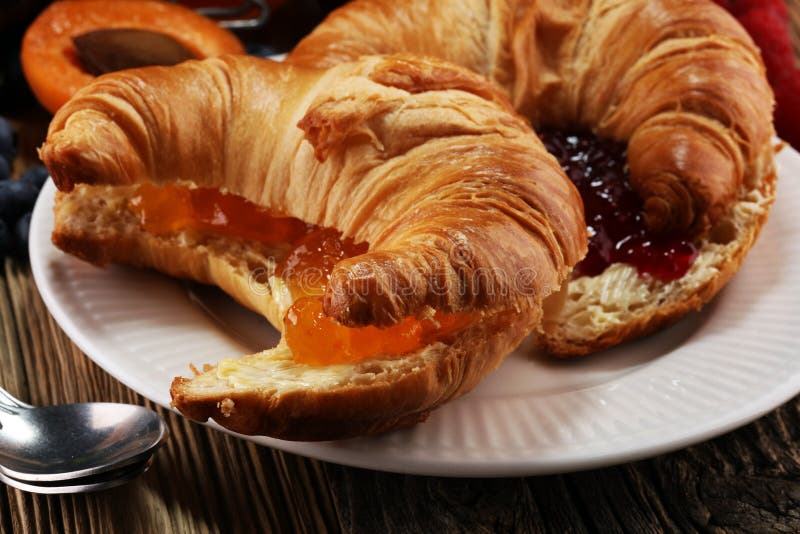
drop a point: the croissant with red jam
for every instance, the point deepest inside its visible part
(679, 81)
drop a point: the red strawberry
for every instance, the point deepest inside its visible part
(740, 7)
(787, 111)
(767, 22)
(771, 35)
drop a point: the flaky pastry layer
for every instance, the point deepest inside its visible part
(679, 80)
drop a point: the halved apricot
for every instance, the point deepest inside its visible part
(50, 60)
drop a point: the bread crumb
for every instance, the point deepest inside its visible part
(194, 369)
(429, 314)
(226, 406)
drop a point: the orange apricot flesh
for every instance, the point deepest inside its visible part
(50, 59)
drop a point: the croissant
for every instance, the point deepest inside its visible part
(468, 220)
(679, 81)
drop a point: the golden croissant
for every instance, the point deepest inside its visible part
(469, 222)
(679, 80)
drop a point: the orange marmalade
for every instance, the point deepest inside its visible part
(313, 337)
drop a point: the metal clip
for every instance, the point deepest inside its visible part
(231, 16)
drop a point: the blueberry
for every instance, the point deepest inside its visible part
(5, 239)
(5, 169)
(35, 175)
(260, 50)
(16, 198)
(7, 142)
(21, 232)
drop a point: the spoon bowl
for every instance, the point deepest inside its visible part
(109, 479)
(54, 443)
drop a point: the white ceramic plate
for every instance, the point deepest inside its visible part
(712, 372)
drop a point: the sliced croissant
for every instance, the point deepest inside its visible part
(679, 80)
(463, 210)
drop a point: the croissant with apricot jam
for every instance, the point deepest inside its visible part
(392, 216)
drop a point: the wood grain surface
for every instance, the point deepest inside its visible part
(206, 481)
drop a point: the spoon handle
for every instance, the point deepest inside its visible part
(8, 401)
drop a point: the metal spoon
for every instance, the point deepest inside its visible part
(71, 441)
(108, 479)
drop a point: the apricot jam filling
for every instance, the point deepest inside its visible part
(316, 339)
(598, 169)
(308, 265)
(174, 208)
(313, 337)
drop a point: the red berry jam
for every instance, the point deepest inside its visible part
(598, 169)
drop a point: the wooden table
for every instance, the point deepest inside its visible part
(206, 481)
